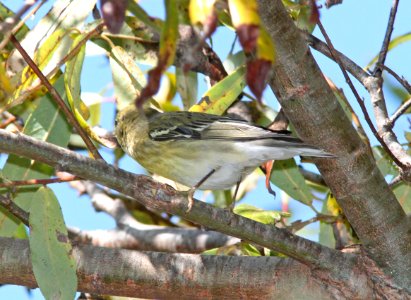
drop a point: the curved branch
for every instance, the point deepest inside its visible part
(158, 196)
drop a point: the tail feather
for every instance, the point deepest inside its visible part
(315, 152)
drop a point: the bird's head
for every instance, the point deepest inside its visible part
(132, 122)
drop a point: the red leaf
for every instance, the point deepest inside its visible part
(315, 13)
(153, 84)
(210, 25)
(114, 12)
(257, 73)
(248, 35)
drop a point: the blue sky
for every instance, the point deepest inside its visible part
(356, 28)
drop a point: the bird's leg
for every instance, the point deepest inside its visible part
(195, 187)
(268, 170)
(237, 186)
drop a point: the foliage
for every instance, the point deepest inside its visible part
(133, 40)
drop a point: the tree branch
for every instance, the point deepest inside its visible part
(158, 196)
(157, 238)
(399, 78)
(348, 64)
(45, 181)
(372, 85)
(135, 235)
(186, 276)
(359, 100)
(14, 209)
(384, 48)
(399, 112)
(353, 176)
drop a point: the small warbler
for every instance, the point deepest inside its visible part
(201, 150)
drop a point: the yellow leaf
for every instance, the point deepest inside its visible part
(219, 97)
(244, 12)
(199, 10)
(265, 46)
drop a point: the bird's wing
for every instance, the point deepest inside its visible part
(184, 125)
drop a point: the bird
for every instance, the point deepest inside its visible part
(200, 150)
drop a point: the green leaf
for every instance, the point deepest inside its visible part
(222, 198)
(286, 176)
(72, 76)
(394, 43)
(326, 237)
(259, 215)
(169, 35)
(300, 12)
(187, 85)
(48, 124)
(234, 61)
(220, 97)
(127, 77)
(51, 253)
(64, 16)
(42, 57)
(249, 250)
(137, 38)
(140, 13)
(384, 162)
(213, 251)
(403, 194)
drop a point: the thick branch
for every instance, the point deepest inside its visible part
(353, 177)
(160, 239)
(162, 197)
(186, 276)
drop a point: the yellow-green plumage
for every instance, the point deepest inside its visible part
(185, 147)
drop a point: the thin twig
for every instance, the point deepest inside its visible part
(358, 72)
(401, 110)
(357, 96)
(385, 44)
(400, 79)
(14, 209)
(298, 225)
(16, 28)
(129, 37)
(10, 21)
(53, 92)
(38, 181)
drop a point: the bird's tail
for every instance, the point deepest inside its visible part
(315, 152)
